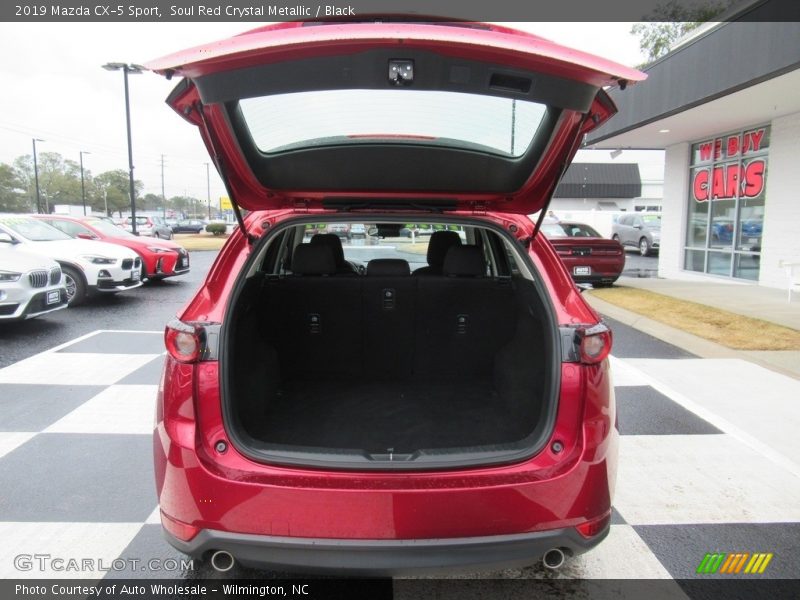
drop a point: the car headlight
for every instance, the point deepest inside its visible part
(9, 276)
(99, 260)
(159, 249)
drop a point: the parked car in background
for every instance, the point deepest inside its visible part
(160, 258)
(340, 229)
(150, 227)
(106, 219)
(188, 226)
(639, 230)
(588, 256)
(30, 285)
(375, 422)
(358, 230)
(89, 267)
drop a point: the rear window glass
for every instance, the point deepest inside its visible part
(284, 122)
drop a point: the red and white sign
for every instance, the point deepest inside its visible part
(723, 181)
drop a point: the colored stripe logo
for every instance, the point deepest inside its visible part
(734, 563)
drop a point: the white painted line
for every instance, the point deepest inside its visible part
(69, 343)
(117, 409)
(73, 368)
(86, 336)
(11, 440)
(622, 555)
(98, 541)
(154, 518)
(714, 418)
(684, 479)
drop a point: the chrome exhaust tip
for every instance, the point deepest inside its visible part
(554, 558)
(222, 561)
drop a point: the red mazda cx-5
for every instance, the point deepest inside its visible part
(388, 404)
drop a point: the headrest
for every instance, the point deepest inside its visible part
(332, 241)
(439, 244)
(313, 260)
(388, 267)
(464, 261)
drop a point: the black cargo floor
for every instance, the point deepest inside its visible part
(377, 416)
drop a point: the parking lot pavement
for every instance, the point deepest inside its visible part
(75, 453)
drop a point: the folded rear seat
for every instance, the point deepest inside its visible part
(463, 317)
(317, 322)
(389, 302)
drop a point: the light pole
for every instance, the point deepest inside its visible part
(208, 191)
(36, 177)
(83, 187)
(134, 70)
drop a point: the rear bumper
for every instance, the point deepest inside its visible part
(387, 557)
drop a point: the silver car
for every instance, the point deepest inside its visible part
(30, 285)
(639, 230)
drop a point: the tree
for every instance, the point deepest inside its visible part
(671, 21)
(183, 204)
(112, 188)
(12, 191)
(59, 179)
(149, 202)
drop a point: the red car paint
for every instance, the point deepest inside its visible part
(174, 260)
(205, 484)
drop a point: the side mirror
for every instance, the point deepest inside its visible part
(87, 236)
(637, 226)
(7, 239)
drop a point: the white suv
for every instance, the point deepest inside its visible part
(89, 266)
(30, 285)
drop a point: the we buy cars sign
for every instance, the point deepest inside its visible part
(742, 175)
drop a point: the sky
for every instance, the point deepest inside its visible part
(52, 87)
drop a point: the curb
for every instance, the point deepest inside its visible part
(691, 343)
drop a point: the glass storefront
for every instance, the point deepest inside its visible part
(728, 176)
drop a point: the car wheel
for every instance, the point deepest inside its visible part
(76, 287)
(644, 247)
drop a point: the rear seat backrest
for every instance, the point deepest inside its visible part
(463, 317)
(317, 318)
(389, 302)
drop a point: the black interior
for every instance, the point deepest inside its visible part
(387, 361)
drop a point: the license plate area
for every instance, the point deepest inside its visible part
(53, 297)
(136, 275)
(582, 270)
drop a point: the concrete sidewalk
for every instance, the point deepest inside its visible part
(749, 300)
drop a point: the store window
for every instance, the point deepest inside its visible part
(728, 176)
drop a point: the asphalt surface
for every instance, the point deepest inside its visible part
(640, 266)
(148, 307)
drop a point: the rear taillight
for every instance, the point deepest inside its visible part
(595, 343)
(184, 341)
(594, 527)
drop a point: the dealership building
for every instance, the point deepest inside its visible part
(725, 107)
